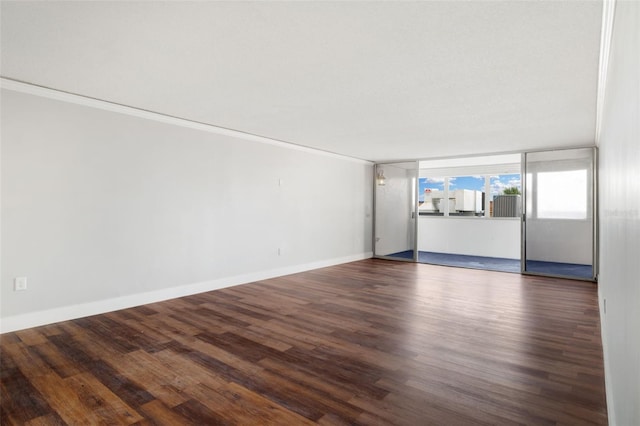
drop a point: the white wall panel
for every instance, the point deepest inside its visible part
(557, 240)
(470, 236)
(619, 281)
(98, 205)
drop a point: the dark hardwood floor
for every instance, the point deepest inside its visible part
(369, 342)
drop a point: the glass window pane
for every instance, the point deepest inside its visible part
(466, 195)
(506, 184)
(506, 193)
(431, 183)
(430, 196)
(562, 195)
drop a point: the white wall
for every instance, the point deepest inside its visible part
(560, 240)
(619, 281)
(102, 210)
(470, 236)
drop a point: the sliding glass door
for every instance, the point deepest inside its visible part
(559, 221)
(395, 211)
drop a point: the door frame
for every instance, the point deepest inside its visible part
(594, 215)
(414, 213)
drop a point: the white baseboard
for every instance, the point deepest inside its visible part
(49, 316)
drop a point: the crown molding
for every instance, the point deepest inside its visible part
(606, 35)
(46, 92)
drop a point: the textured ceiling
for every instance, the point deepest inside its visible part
(372, 80)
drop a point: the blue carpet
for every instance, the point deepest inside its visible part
(564, 269)
(499, 264)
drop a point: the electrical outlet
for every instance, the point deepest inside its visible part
(20, 283)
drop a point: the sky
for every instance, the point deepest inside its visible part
(498, 183)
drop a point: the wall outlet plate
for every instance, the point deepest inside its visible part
(20, 283)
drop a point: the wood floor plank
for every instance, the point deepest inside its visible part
(27, 361)
(63, 365)
(31, 336)
(158, 413)
(370, 342)
(131, 393)
(242, 406)
(20, 401)
(52, 419)
(200, 414)
(65, 401)
(101, 401)
(160, 381)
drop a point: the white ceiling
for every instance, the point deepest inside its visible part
(372, 80)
